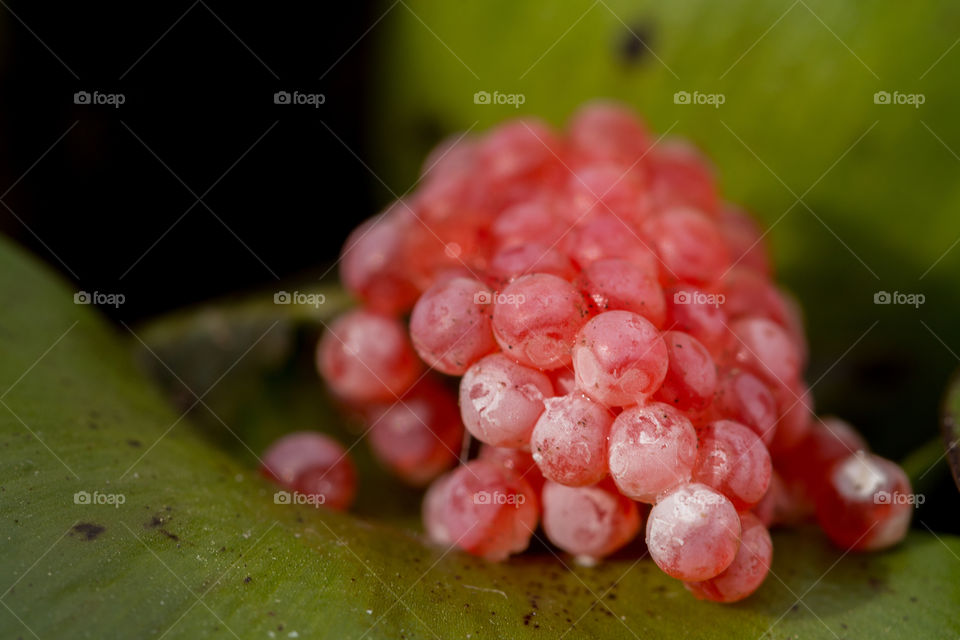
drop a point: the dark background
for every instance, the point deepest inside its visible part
(86, 196)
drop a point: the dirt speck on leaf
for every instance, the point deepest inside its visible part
(170, 535)
(634, 44)
(156, 522)
(88, 530)
(879, 585)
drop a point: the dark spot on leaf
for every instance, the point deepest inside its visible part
(157, 521)
(133, 443)
(170, 535)
(247, 580)
(88, 530)
(635, 42)
(878, 585)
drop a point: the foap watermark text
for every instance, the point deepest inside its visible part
(513, 99)
(85, 497)
(499, 498)
(99, 98)
(712, 99)
(885, 497)
(912, 99)
(286, 497)
(99, 298)
(495, 297)
(897, 297)
(299, 297)
(299, 98)
(699, 297)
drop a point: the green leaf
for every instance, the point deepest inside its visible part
(199, 549)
